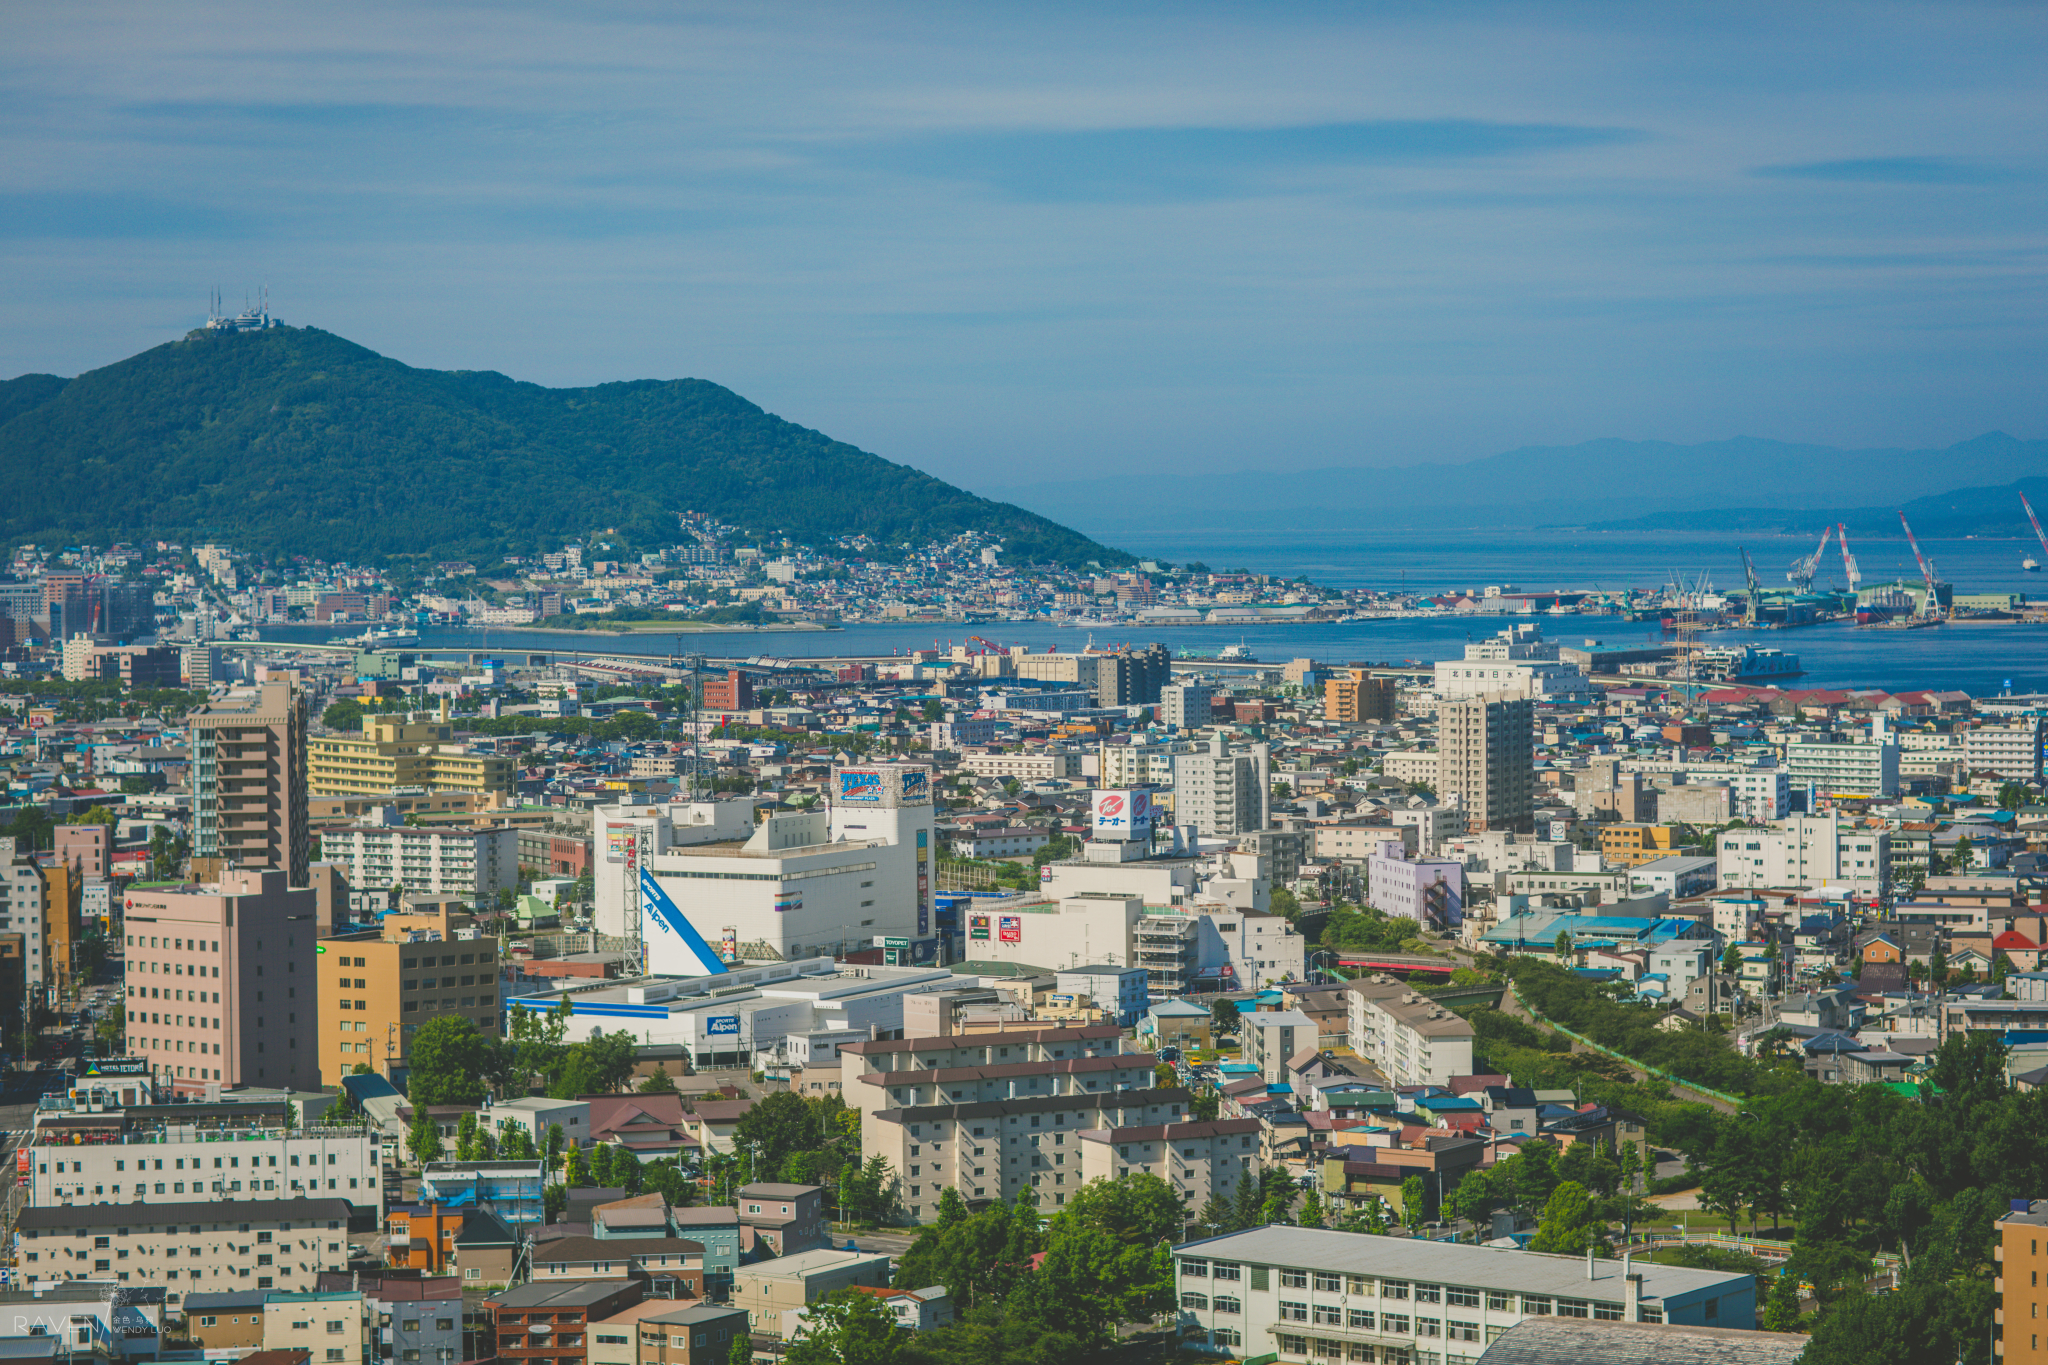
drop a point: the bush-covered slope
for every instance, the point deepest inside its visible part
(295, 440)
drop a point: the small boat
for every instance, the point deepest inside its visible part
(2031, 564)
(1239, 653)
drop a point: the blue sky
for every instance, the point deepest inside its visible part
(1011, 243)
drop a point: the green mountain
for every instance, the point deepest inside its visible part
(295, 441)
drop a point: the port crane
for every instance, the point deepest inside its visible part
(1754, 608)
(2028, 563)
(1803, 570)
(1932, 609)
(1850, 573)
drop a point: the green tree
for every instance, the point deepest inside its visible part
(601, 1066)
(516, 1144)
(1569, 1224)
(1731, 961)
(576, 1171)
(1137, 1210)
(1563, 945)
(1414, 1202)
(554, 1200)
(1937, 969)
(1310, 1214)
(659, 1083)
(1223, 1016)
(448, 1061)
(1781, 1309)
(424, 1139)
(553, 1144)
(742, 1352)
(1246, 1204)
(848, 1328)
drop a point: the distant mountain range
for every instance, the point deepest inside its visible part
(295, 441)
(1606, 484)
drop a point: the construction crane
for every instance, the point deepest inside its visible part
(1803, 570)
(1850, 573)
(988, 646)
(2029, 563)
(1931, 609)
(1755, 612)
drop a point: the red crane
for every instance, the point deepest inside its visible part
(2037, 523)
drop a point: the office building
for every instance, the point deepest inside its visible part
(394, 752)
(191, 1247)
(1042, 765)
(733, 692)
(89, 848)
(249, 783)
(470, 862)
(1184, 706)
(1309, 1293)
(771, 1288)
(2010, 749)
(377, 987)
(1486, 750)
(1428, 890)
(1361, 699)
(174, 1153)
(1515, 663)
(1807, 851)
(419, 1321)
(701, 1334)
(1221, 791)
(1120, 992)
(952, 736)
(214, 992)
(1409, 1037)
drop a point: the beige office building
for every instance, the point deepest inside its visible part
(214, 990)
(378, 986)
(769, 1288)
(331, 1328)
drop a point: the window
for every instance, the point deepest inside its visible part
(1462, 1298)
(1328, 1315)
(1607, 1312)
(1429, 1327)
(606, 1339)
(1198, 1302)
(1223, 1271)
(1499, 1302)
(1358, 1284)
(1292, 1345)
(1534, 1306)
(337, 1353)
(1394, 1289)
(1293, 1312)
(1429, 1293)
(1712, 1310)
(1573, 1308)
(1327, 1283)
(1227, 1336)
(1259, 1276)
(1394, 1322)
(1463, 1331)
(1226, 1304)
(1195, 1269)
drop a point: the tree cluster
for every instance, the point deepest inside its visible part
(452, 1063)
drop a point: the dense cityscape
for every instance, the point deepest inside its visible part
(812, 981)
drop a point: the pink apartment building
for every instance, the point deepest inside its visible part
(214, 991)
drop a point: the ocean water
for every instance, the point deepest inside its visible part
(1979, 659)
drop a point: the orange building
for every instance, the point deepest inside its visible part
(1360, 698)
(2020, 1323)
(423, 1238)
(1631, 845)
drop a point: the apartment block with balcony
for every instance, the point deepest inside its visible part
(1199, 1159)
(1409, 1037)
(203, 1245)
(473, 862)
(249, 787)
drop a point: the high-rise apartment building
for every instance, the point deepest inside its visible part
(1486, 751)
(377, 987)
(1132, 677)
(1222, 791)
(1360, 698)
(402, 751)
(2012, 749)
(24, 910)
(2022, 1259)
(1184, 705)
(249, 784)
(214, 992)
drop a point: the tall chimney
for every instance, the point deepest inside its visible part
(1632, 1298)
(1589, 1263)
